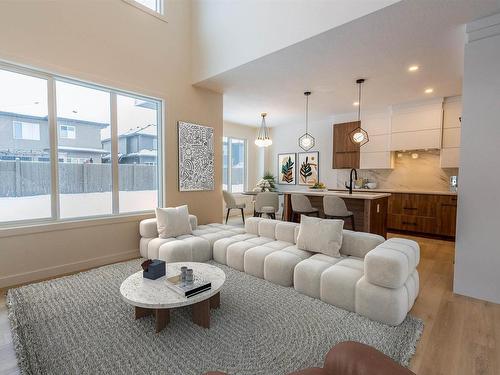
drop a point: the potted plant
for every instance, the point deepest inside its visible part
(267, 183)
(318, 186)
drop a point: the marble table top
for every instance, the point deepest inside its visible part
(155, 294)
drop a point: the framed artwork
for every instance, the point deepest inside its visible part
(287, 169)
(196, 157)
(308, 167)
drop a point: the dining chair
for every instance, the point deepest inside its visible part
(267, 203)
(231, 204)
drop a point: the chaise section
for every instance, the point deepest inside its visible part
(338, 283)
(307, 275)
(236, 252)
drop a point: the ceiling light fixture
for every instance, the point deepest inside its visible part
(263, 138)
(359, 136)
(306, 141)
(429, 90)
(355, 104)
(413, 68)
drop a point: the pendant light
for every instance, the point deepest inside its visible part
(359, 136)
(306, 141)
(263, 139)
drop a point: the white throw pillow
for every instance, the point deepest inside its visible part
(173, 221)
(320, 235)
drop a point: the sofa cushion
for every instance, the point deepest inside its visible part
(358, 244)
(221, 245)
(280, 265)
(254, 258)
(390, 264)
(267, 228)
(252, 225)
(307, 274)
(148, 228)
(285, 231)
(173, 221)
(338, 283)
(320, 235)
(154, 246)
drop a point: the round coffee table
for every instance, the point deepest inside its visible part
(155, 296)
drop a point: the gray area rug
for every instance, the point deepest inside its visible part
(80, 325)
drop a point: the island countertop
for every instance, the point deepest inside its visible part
(342, 194)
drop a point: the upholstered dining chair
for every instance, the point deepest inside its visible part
(335, 208)
(301, 205)
(267, 203)
(231, 204)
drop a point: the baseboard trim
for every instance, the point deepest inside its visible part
(64, 269)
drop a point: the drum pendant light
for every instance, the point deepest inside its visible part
(306, 141)
(359, 136)
(263, 139)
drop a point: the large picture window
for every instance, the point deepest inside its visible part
(234, 164)
(75, 150)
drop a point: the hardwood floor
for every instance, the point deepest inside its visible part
(461, 334)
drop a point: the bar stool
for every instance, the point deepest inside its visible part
(301, 205)
(335, 208)
(267, 203)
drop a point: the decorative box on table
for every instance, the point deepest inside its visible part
(155, 269)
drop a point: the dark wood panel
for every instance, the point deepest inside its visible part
(345, 153)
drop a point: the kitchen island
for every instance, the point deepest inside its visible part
(370, 209)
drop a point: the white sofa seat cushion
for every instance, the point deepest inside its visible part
(191, 249)
(154, 246)
(235, 254)
(267, 228)
(386, 305)
(143, 246)
(285, 231)
(338, 283)
(320, 235)
(279, 266)
(252, 225)
(307, 274)
(253, 262)
(358, 244)
(391, 263)
(220, 246)
(173, 221)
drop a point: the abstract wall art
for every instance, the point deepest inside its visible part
(196, 157)
(286, 169)
(308, 167)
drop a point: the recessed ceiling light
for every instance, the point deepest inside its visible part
(429, 90)
(355, 104)
(413, 68)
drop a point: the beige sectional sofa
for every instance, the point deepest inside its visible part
(374, 277)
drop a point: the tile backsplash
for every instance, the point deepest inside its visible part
(423, 173)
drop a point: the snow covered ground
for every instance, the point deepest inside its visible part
(75, 205)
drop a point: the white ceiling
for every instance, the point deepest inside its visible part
(379, 47)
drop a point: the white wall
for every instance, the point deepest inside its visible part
(228, 33)
(115, 44)
(477, 257)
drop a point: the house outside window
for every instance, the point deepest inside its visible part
(26, 130)
(67, 132)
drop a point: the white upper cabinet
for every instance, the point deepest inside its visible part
(450, 151)
(376, 153)
(417, 126)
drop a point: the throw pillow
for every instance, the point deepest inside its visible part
(173, 221)
(320, 235)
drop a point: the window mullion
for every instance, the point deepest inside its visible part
(229, 164)
(114, 154)
(54, 173)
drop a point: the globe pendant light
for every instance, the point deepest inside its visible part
(263, 139)
(359, 136)
(306, 141)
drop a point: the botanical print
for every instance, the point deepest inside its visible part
(196, 157)
(309, 168)
(286, 168)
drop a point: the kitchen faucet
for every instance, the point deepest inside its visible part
(350, 179)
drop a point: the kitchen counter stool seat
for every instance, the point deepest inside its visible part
(335, 208)
(301, 205)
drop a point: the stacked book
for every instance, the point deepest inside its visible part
(188, 289)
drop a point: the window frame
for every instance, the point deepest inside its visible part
(229, 166)
(158, 14)
(55, 217)
(67, 126)
(15, 122)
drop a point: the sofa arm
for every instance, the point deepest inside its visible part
(354, 358)
(148, 227)
(391, 263)
(358, 244)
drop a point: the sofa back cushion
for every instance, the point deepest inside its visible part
(320, 235)
(358, 244)
(173, 221)
(252, 225)
(267, 228)
(285, 231)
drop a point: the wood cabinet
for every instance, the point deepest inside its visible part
(423, 213)
(345, 152)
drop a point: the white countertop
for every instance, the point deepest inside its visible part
(409, 191)
(343, 194)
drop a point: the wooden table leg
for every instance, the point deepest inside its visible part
(201, 313)
(162, 319)
(141, 312)
(215, 301)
